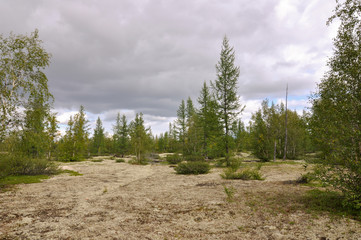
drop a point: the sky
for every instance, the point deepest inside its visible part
(132, 56)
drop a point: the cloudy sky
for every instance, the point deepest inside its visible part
(132, 56)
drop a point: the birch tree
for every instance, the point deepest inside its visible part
(22, 63)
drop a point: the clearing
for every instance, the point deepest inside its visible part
(123, 201)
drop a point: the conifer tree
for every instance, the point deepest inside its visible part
(190, 110)
(181, 123)
(74, 145)
(225, 91)
(81, 134)
(98, 143)
(208, 120)
(139, 137)
(121, 135)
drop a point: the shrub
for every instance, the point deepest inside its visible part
(174, 158)
(245, 174)
(142, 161)
(194, 158)
(20, 165)
(230, 193)
(306, 178)
(97, 160)
(193, 168)
(345, 179)
(119, 160)
(154, 156)
(234, 163)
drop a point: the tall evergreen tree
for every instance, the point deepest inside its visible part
(225, 91)
(66, 145)
(74, 145)
(98, 143)
(190, 110)
(81, 134)
(181, 123)
(208, 120)
(121, 135)
(140, 137)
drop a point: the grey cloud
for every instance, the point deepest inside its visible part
(146, 56)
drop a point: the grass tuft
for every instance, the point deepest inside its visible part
(97, 160)
(245, 174)
(71, 172)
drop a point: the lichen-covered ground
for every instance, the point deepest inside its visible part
(123, 201)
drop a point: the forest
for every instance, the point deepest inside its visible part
(208, 132)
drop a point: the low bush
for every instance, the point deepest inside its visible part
(174, 158)
(229, 191)
(142, 161)
(20, 165)
(193, 168)
(245, 174)
(306, 178)
(154, 156)
(234, 163)
(119, 160)
(194, 158)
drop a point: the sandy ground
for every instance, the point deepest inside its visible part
(122, 201)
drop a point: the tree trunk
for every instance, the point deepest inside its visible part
(285, 153)
(275, 150)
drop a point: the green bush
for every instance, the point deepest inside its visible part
(119, 160)
(174, 158)
(234, 163)
(230, 193)
(194, 158)
(142, 161)
(97, 160)
(193, 168)
(306, 178)
(20, 165)
(154, 156)
(245, 174)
